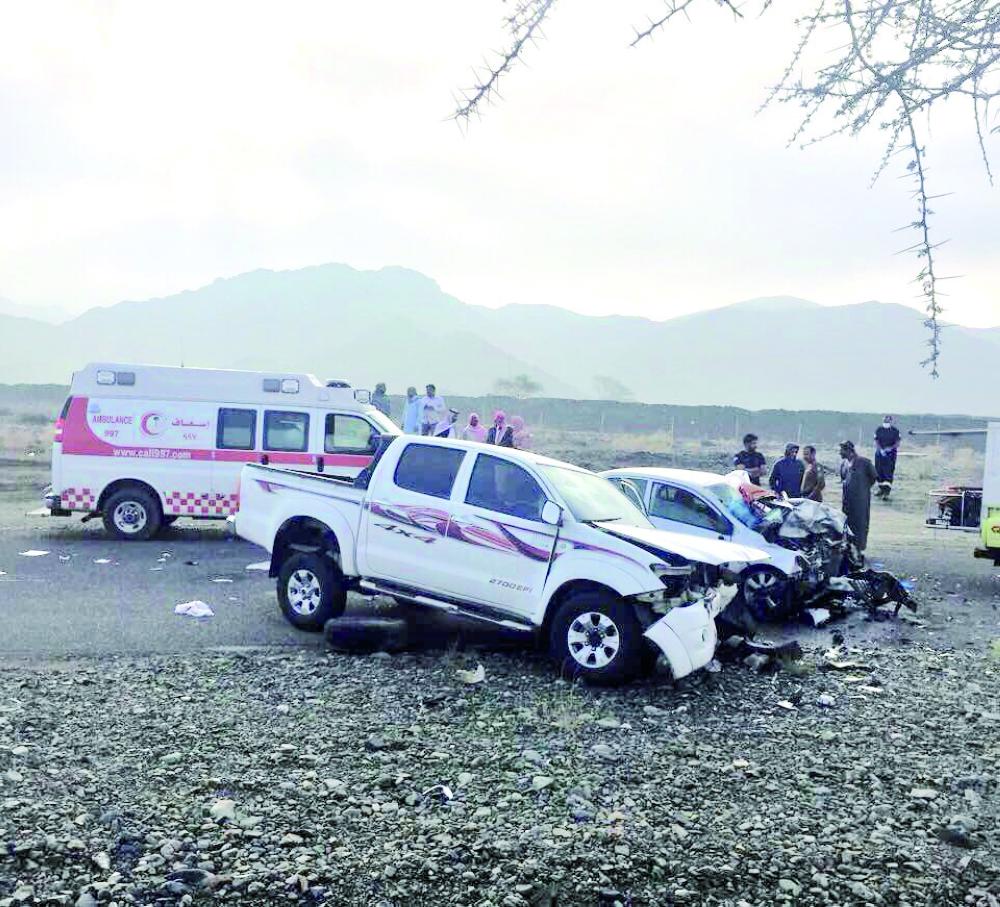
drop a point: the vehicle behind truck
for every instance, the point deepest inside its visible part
(504, 536)
(141, 445)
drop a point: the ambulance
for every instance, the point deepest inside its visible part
(142, 445)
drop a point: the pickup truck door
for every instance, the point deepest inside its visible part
(498, 547)
(405, 523)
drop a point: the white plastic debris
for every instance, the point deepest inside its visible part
(786, 705)
(826, 701)
(259, 565)
(3, 572)
(194, 609)
(713, 667)
(221, 579)
(817, 616)
(65, 557)
(102, 560)
(33, 552)
(477, 675)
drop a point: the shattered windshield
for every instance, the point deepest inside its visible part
(735, 506)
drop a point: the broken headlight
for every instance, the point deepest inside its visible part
(675, 579)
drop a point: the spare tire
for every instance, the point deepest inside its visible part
(364, 634)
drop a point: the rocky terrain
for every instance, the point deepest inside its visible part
(268, 777)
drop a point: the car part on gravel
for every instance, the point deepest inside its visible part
(366, 634)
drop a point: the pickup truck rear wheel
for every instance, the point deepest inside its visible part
(310, 591)
(597, 637)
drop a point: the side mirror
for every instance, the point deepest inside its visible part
(552, 513)
(631, 491)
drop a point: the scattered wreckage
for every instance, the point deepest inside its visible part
(816, 571)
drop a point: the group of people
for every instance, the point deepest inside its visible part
(429, 415)
(806, 478)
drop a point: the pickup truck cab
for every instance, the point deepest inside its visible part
(497, 534)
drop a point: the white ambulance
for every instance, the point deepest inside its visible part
(141, 445)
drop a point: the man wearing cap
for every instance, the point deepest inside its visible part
(857, 476)
(786, 476)
(886, 447)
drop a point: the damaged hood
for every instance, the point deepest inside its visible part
(703, 551)
(804, 519)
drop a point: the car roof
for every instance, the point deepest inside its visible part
(510, 453)
(694, 477)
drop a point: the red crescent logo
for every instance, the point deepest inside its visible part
(152, 424)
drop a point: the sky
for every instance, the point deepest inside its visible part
(150, 148)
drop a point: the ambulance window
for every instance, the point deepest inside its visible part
(237, 428)
(286, 431)
(125, 379)
(348, 434)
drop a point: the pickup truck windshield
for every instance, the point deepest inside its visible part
(592, 499)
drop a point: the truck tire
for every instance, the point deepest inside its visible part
(766, 593)
(310, 591)
(596, 636)
(132, 514)
(364, 634)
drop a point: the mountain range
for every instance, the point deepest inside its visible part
(398, 326)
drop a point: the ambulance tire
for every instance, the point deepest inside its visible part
(132, 514)
(311, 591)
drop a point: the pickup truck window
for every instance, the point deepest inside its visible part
(347, 434)
(505, 487)
(236, 429)
(592, 499)
(286, 431)
(428, 470)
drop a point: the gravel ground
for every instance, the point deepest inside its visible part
(269, 777)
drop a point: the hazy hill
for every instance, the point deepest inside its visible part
(398, 326)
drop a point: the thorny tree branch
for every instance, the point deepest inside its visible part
(897, 59)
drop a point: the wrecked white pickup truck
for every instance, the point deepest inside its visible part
(501, 535)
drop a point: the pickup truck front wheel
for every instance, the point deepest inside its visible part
(310, 591)
(597, 637)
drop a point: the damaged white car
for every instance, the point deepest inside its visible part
(807, 541)
(498, 535)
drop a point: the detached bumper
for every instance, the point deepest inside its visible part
(686, 636)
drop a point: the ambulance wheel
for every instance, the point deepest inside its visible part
(310, 591)
(132, 514)
(597, 637)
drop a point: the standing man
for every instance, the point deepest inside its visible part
(886, 445)
(411, 412)
(813, 479)
(750, 459)
(448, 428)
(857, 475)
(500, 432)
(786, 477)
(433, 410)
(380, 400)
